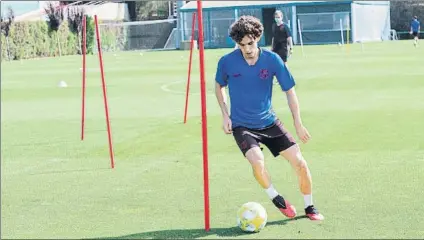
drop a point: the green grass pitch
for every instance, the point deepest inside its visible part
(364, 109)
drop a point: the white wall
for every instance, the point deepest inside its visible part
(370, 21)
(109, 11)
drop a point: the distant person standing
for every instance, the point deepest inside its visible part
(282, 42)
(415, 29)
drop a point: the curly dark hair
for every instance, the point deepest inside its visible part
(246, 26)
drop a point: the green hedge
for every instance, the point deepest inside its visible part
(3, 47)
(90, 35)
(33, 39)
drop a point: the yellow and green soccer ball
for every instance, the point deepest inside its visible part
(251, 217)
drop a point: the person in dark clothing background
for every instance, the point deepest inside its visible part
(282, 42)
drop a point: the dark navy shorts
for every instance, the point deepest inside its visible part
(283, 52)
(275, 137)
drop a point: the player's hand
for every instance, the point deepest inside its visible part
(227, 125)
(302, 133)
(291, 51)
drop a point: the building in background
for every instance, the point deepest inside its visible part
(321, 22)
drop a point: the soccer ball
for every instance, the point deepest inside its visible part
(251, 217)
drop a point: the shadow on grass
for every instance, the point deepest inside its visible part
(197, 233)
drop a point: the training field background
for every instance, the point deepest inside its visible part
(363, 107)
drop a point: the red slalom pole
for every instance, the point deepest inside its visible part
(84, 25)
(204, 116)
(193, 21)
(112, 163)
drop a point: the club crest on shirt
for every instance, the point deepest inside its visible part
(264, 74)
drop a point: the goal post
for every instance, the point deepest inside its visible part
(140, 35)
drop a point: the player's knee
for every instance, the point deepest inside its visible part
(300, 162)
(256, 158)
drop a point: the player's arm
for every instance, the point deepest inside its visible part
(221, 79)
(287, 84)
(221, 96)
(289, 38)
(286, 81)
(293, 103)
(290, 41)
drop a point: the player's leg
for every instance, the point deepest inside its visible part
(249, 145)
(415, 34)
(281, 142)
(296, 160)
(417, 38)
(299, 164)
(284, 54)
(256, 159)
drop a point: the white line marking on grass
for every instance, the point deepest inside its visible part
(165, 87)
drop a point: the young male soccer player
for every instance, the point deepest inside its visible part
(415, 29)
(282, 42)
(248, 72)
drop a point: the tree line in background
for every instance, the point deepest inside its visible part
(55, 37)
(401, 13)
(59, 36)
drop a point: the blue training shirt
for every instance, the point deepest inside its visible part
(250, 87)
(415, 24)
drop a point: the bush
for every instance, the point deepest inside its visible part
(33, 39)
(75, 18)
(401, 13)
(90, 35)
(20, 41)
(55, 15)
(67, 40)
(3, 47)
(6, 23)
(42, 42)
(75, 22)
